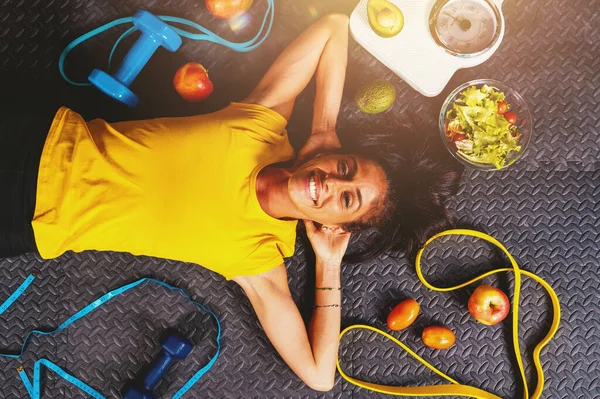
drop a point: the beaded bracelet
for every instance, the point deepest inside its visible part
(328, 288)
(326, 306)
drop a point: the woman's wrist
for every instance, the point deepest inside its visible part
(328, 273)
(330, 263)
(328, 291)
(327, 136)
(324, 131)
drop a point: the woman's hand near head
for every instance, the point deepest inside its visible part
(318, 143)
(329, 243)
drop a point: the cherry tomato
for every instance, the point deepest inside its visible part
(502, 107)
(438, 337)
(403, 314)
(511, 117)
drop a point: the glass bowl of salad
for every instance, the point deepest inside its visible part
(485, 124)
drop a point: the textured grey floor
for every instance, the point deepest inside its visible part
(544, 209)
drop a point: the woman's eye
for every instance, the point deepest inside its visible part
(346, 198)
(344, 169)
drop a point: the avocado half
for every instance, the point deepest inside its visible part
(385, 18)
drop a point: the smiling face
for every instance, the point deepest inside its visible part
(336, 189)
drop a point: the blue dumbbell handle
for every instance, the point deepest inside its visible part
(158, 368)
(135, 60)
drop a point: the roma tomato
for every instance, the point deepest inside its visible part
(511, 117)
(192, 83)
(502, 107)
(438, 337)
(403, 314)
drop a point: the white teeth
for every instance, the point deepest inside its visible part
(312, 188)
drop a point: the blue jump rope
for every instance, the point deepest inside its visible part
(155, 33)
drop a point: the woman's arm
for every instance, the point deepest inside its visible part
(311, 355)
(322, 48)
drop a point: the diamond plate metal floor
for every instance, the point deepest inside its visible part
(545, 209)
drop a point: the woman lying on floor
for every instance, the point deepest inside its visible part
(209, 189)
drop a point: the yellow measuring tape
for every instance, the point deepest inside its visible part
(455, 388)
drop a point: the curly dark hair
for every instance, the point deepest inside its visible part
(420, 180)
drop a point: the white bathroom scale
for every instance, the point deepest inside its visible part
(439, 37)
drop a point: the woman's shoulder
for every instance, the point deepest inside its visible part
(258, 119)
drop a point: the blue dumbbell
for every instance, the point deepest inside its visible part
(174, 347)
(155, 33)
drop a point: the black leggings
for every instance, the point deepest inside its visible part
(23, 132)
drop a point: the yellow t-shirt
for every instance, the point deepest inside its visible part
(174, 188)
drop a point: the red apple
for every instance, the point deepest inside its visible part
(228, 8)
(192, 83)
(489, 305)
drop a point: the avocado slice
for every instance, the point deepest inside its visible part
(385, 18)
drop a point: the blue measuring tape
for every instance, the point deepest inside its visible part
(15, 295)
(205, 34)
(33, 387)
